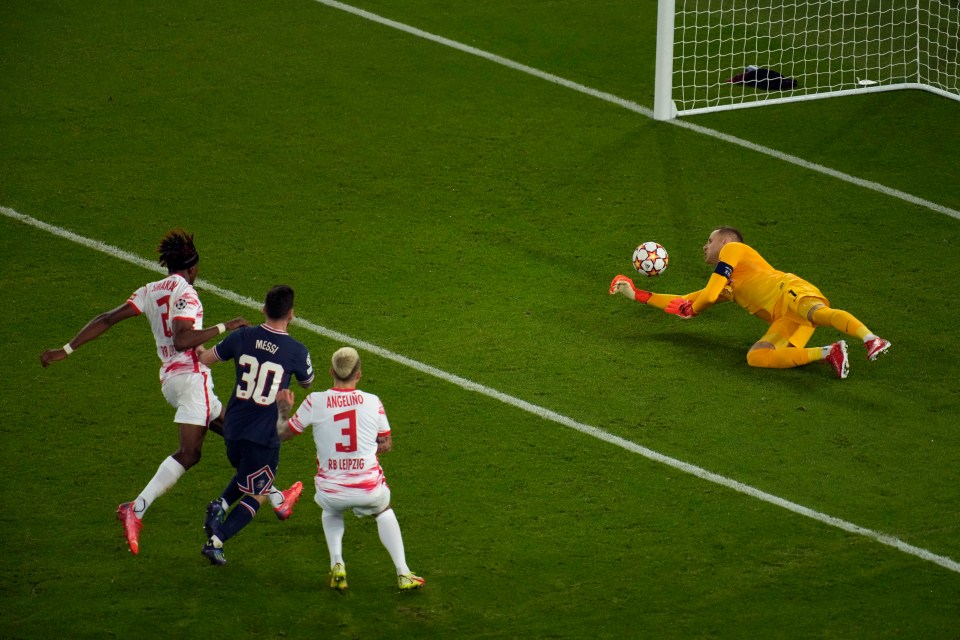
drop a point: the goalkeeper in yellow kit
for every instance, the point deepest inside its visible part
(790, 305)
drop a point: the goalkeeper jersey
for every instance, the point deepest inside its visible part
(745, 277)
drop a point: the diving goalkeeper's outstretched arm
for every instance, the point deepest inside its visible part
(625, 287)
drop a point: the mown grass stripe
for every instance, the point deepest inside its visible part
(523, 405)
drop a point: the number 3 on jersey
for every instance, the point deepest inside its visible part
(350, 431)
(260, 382)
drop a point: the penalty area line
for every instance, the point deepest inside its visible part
(523, 405)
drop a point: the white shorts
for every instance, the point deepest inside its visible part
(363, 503)
(191, 394)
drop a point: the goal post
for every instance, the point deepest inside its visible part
(818, 48)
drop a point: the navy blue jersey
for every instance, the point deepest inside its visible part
(264, 359)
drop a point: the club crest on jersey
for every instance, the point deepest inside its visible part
(259, 482)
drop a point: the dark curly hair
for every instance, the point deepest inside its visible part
(279, 301)
(177, 251)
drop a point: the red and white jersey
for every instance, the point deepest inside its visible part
(164, 301)
(346, 423)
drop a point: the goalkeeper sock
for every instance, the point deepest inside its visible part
(841, 321)
(785, 358)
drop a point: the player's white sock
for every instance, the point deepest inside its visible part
(869, 337)
(166, 476)
(276, 497)
(333, 528)
(389, 530)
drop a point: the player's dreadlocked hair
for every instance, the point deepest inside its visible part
(177, 251)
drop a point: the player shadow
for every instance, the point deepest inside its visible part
(703, 348)
(717, 352)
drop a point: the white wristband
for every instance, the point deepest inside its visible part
(221, 328)
(68, 348)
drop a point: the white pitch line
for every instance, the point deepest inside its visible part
(644, 111)
(541, 412)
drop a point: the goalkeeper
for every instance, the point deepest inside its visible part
(790, 305)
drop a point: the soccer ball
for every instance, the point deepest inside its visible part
(650, 259)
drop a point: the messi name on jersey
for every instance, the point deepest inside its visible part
(266, 345)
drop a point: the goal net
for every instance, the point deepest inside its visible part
(726, 54)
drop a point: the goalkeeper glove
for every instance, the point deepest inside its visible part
(680, 307)
(624, 285)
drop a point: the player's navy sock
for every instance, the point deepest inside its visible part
(240, 516)
(231, 494)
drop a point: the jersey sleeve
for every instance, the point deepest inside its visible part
(729, 257)
(138, 299)
(383, 425)
(229, 347)
(304, 369)
(661, 300)
(186, 307)
(302, 419)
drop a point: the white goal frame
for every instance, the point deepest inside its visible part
(830, 47)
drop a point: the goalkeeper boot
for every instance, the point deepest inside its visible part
(408, 581)
(215, 517)
(213, 553)
(131, 526)
(838, 359)
(338, 577)
(876, 347)
(290, 497)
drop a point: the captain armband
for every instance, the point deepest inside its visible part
(724, 270)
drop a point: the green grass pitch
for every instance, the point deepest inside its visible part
(470, 217)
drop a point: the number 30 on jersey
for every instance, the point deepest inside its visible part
(260, 382)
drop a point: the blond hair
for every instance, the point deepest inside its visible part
(345, 363)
